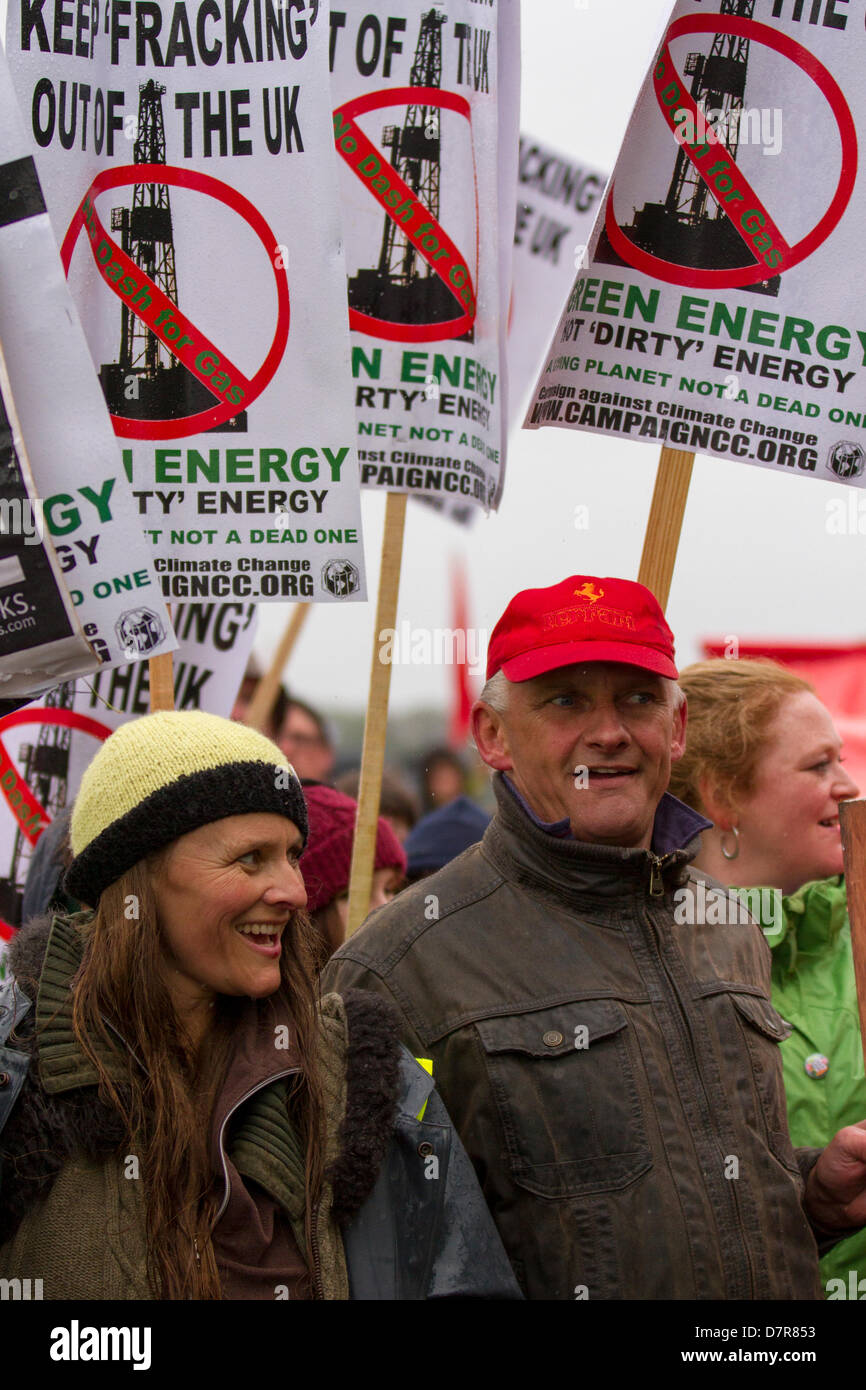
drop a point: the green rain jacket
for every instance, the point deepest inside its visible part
(813, 989)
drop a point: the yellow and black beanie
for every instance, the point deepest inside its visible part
(158, 777)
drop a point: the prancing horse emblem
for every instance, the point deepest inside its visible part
(588, 591)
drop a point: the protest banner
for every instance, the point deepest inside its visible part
(40, 636)
(429, 233)
(45, 747)
(426, 127)
(191, 179)
(557, 199)
(68, 510)
(712, 316)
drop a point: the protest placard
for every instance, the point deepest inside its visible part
(426, 126)
(69, 518)
(557, 200)
(715, 314)
(190, 176)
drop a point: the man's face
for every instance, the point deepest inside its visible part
(593, 743)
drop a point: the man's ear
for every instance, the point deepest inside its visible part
(491, 738)
(717, 806)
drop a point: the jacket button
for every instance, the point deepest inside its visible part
(552, 1039)
(816, 1065)
(4, 1079)
(425, 1149)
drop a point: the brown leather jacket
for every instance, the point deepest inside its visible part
(613, 1072)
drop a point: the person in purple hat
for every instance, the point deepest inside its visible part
(607, 1049)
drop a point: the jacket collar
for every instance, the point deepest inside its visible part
(548, 852)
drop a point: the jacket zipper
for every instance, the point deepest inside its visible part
(657, 884)
(318, 1290)
(686, 1033)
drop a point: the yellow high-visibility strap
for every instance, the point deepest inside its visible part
(427, 1064)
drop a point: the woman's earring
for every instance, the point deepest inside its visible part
(735, 851)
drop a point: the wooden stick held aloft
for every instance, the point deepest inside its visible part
(665, 522)
(376, 723)
(262, 703)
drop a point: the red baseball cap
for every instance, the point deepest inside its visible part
(582, 619)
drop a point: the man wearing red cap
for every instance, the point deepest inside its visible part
(610, 1062)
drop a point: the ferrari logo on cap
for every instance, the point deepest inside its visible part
(588, 591)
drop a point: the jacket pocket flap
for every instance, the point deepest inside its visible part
(552, 1032)
(761, 1014)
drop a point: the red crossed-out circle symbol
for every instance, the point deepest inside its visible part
(789, 256)
(31, 817)
(221, 411)
(433, 241)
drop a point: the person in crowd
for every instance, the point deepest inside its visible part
(443, 777)
(398, 804)
(186, 1119)
(614, 1075)
(43, 886)
(307, 741)
(247, 690)
(442, 835)
(764, 761)
(327, 861)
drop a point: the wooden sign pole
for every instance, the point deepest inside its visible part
(852, 816)
(665, 522)
(161, 672)
(376, 723)
(262, 703)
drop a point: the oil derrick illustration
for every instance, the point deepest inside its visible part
(45, 769)
(690, 228)
(403, 288)
(147, 382)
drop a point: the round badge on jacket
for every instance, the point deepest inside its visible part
(817, 1065)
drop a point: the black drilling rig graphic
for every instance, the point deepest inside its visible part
(45, 769)
(148, 382)
(690, 228)
(403, 287)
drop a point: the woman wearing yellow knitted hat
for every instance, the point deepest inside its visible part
(182, 1116)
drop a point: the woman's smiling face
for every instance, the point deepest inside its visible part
(789, 826)
(225, 894)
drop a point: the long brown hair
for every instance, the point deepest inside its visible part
(170, 1090)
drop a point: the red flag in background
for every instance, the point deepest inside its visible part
(838, 674)
(458, 729)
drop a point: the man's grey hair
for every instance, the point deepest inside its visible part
(495, 693)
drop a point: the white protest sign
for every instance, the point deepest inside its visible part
(557, 199)
(719, 313)
(426, 117)
(191, 180)
(83, 531)
(46, 746)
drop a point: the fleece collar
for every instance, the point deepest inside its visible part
(675, 825)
